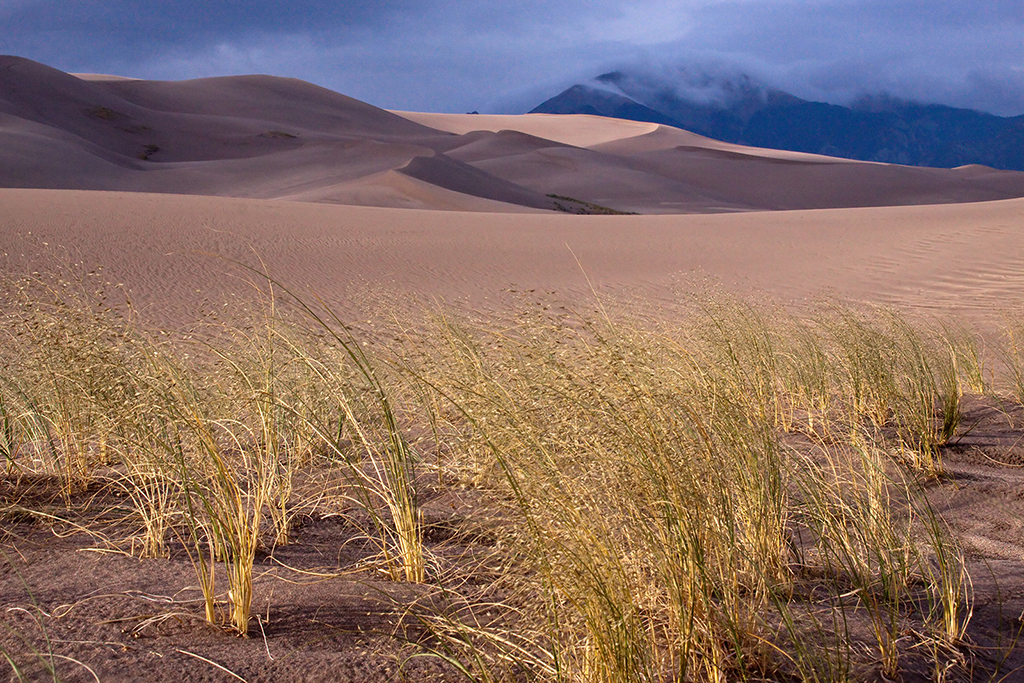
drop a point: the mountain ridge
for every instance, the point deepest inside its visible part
(879, 128)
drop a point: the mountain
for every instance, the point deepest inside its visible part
(580, 99)
(744, 112)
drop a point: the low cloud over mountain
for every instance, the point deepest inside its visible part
(739, 109)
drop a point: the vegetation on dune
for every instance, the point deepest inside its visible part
(580, 207)
(741, 495)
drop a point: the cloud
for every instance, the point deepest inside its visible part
(951, 51)
(485, 54)
(188, 20)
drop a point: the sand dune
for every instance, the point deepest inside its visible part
(665, 138)
(454, 175)
(103, 77)
(578, 130)
(279, 138)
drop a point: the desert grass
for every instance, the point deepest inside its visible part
(662, 512)
(740, 495)
(1011, 354)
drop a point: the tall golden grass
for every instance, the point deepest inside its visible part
(740, 494)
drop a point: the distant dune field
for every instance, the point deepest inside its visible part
(278, 138)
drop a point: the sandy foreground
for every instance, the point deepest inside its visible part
(172, 254)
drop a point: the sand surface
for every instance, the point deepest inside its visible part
(966, 259)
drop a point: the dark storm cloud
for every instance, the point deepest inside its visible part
(155, 23)
(466, 54)
(185, 20)
(126, 31)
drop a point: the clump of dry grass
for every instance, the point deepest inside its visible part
(204, 432)
(665, 526)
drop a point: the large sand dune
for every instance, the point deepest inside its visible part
(273, 138)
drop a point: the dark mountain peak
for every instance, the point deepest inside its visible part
(689, 85)
(582, 99)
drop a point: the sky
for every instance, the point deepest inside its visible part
(496, 56)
